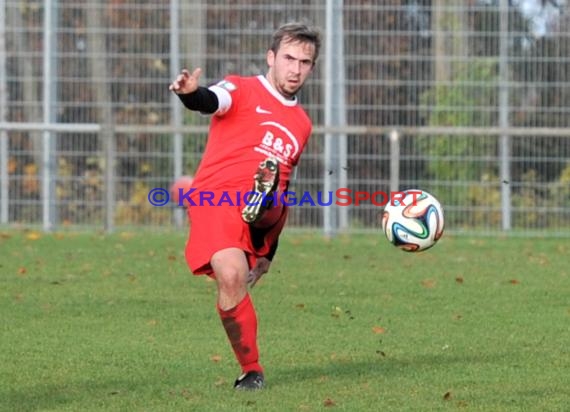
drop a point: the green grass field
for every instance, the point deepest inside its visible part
(92, 322)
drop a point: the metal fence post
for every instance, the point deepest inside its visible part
(335, 218)
(108, 136)
(394, 160)
(3, 177)
(49, 106)
(504, 140)
(3, 113)
(175, 106)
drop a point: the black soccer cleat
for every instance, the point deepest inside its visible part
(265, 183)
(250, 381)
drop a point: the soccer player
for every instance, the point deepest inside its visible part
(257, 133)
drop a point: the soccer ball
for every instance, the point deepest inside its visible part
(183, 183)
(413, 221)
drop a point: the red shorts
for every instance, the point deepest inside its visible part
(214, 228)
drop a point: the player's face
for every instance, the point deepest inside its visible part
(290, 66)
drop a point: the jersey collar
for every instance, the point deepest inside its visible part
(275, 93)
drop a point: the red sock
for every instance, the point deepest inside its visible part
(240, 324)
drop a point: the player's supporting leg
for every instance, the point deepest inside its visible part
(238, 314)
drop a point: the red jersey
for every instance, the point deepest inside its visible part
(254, 123)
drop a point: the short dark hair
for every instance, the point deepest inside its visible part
(296, 32)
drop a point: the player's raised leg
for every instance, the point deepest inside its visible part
(265, 183)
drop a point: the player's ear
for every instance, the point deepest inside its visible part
(270, 56)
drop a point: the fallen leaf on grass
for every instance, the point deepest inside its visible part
(33, 236)
(216, 358)
(171, 257)
(296, 241)
(378, 330)
(540, 259)
(428, 283)
(126, 235)
(477, 242)
(329, 402)
(447, 396)
(336, 312)
(514, 282)
(22, 271)
(459, 279)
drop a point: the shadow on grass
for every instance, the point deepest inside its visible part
(100, 395)
(381, 367)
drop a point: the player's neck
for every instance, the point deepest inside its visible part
(269, 79)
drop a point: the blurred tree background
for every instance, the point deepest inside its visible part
(411, 63)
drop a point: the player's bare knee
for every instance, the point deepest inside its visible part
(231, 278)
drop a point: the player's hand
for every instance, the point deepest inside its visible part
(186, 82)
(261, 267)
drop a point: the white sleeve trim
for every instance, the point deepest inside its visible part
(224, 99)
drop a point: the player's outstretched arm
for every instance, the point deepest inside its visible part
(193, 96)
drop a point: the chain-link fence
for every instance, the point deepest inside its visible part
(468, 100)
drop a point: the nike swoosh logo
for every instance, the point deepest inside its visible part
(258, 109)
